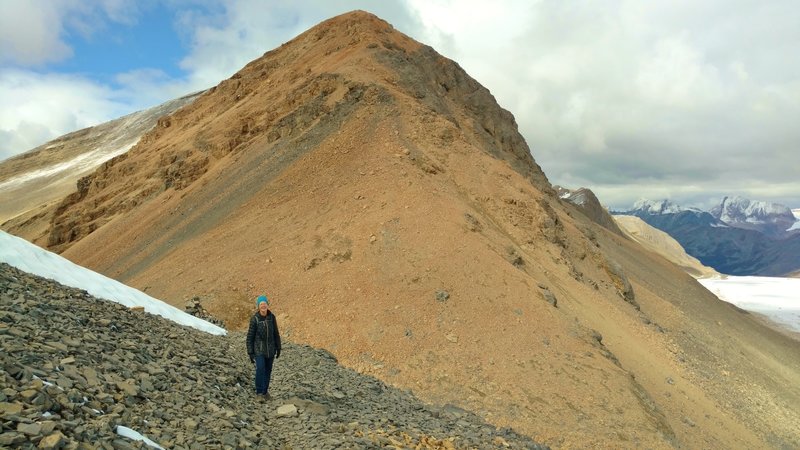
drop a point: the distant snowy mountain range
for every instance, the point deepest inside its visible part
(659, 207)
(769, 218)
(737, 237)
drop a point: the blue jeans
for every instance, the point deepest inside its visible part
(263, 373)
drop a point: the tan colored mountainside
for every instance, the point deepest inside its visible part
(394, 215)
(663, 244)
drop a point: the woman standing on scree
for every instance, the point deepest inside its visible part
(263, 344)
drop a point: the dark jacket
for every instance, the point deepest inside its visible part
(262, 336)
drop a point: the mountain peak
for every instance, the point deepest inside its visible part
(343, 80)
(739, 209)
(772, 219)
(656, 206)
(585, 200)
(358, 19)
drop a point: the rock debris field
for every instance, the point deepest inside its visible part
(77, 371)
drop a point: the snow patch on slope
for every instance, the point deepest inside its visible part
(796, 225)
(136, 436)
(80, 163)
(25, 256)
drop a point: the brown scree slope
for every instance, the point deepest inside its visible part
(394, 215)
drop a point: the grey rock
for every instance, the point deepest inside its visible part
(289, 410)
(31, 429)
(549, 297)
(10, 438)
(53, 441)
(58, 346)
(121, 444)
(47, 427)
(186, 389)
(624, 287)
(10, 409)
(128, 388)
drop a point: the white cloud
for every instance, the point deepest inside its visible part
(35, 108)
(676, 75)
(637, 98)
(32, 32)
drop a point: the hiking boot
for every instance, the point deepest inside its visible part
(267, 396)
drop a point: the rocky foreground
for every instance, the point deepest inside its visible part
(75, 367)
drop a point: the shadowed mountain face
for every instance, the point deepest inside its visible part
(394, 215)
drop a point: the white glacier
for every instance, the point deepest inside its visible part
(776, 298)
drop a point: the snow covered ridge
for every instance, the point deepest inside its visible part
(796, 225)
(657, 206)
(741, 210)
(25, 256)
(776, 298)
(772, 219)
(81, 163)
(99, 143)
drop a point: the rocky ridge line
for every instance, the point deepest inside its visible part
(75, 367)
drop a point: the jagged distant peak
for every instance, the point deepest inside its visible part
(577, 196)
(590, 205)
(665, 206)
(736, 209)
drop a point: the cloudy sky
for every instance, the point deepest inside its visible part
(659, 99)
